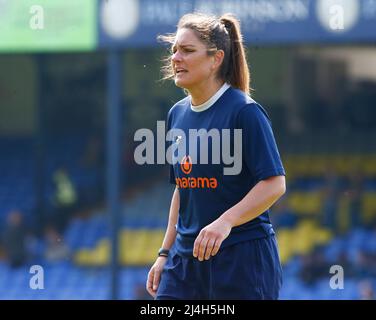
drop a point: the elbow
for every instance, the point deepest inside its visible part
(281, 186)
(278, 186)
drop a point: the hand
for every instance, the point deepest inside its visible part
(210, 239)
(154, 276)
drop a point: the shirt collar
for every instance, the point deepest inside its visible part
(206, 105)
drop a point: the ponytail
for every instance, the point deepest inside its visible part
(235, 70)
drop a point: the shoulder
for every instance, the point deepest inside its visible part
(237, 97)
(255, 111)
(179, 106)
(246, 107)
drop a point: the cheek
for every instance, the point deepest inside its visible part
(201, 66)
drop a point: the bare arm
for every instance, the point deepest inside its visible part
(170, 234)
(260, 198)
(155, 272)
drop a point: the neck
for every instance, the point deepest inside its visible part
(204, 92)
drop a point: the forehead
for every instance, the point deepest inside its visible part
(185, 37)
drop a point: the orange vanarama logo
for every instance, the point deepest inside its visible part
(192, 182)
(186, 164)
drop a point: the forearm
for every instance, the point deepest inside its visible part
(260, 198)
(170, 234)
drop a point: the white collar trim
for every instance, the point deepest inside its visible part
(206, 105)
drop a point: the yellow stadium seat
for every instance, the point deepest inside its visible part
(343, 215)
(322, 236)
(82, 257)
(101, 254)
(306, 202)
(369, 166)
(136, 247)
(304, 237)
(98, 256)
(369, 207)
(301, 240)
(317, 166)
(285, 244)
(140, 247)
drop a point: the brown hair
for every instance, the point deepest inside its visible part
(217, 34)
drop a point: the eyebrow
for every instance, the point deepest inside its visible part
(183, 45)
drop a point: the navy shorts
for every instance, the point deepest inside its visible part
(248, 270)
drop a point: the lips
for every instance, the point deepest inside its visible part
(180, 70)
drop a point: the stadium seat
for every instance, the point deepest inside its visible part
(309, 203)
(369, 207)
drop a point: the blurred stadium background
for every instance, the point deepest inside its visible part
(317, 83)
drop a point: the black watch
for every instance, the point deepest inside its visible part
(163, 252)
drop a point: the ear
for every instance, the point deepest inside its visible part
(218, 58)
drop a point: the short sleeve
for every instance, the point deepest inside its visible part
(259, 148)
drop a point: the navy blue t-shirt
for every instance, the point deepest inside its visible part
(205, 191)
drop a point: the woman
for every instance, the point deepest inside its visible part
(219, 243)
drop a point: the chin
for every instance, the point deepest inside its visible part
(180, 84)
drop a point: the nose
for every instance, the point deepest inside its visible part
(176, 56)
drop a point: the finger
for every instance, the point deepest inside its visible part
(209, 248)
(201, 248)
(157, 277)
(149, 283)
(197, 244)
(151, 292)
(216, 247)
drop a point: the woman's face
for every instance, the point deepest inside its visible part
(192, 65)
